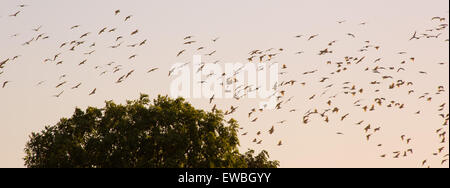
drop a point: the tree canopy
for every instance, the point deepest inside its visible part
(168, 133)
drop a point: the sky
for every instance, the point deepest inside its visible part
(242, 26)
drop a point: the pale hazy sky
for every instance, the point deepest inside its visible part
(242, 26)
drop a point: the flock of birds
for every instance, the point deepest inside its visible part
(327, 113)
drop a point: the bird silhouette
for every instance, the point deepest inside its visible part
(128, 17)
(15, 14)
(414, 36)
(152, 70)
(58, 95)
(93, 92)
(312, 37)
(77, 86)
(5, 83)
(134, 32)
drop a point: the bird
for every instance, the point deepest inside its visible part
(112, 30)
(62, 76)
(152, 70)
(128, 17)
(280, 143)
(89, 53)
(82, 62)
(377, 129)
(59, 94)
(216, 39)
(15, 14)
(40, 83)
(272, 130)
(93, 92)
(312, 37)
(3, 62)
(135, 32)
(132, 56)
(436, 18)
(424, 162)
(60, 84)
(84, 35)
(212, 53)
(367, 128)
(211, 99)
(74, 27)
(190, 42)
(5, 83)
(408, 140)
(129, 74)
(77, 86)
(37, 29)
(188, 37)
(414, 36)
(345, 116)
(143, 43)
(102, 31)
(181, 52)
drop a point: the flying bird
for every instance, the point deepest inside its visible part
(181, 52)
(61, 84)
(59, 94)
(93, 92)
(102, 31)
(211, 99)
(272, 130)
(77, 86)
(74, 27)
(15, 14)
(414, 36)
(152, 70)
(135, 32)
(128, 17)
(280, 143)
(312, 37)
(84, 35)
(4, 84)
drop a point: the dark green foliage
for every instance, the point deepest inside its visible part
(166, 134)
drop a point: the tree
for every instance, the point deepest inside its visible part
(166, 134)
